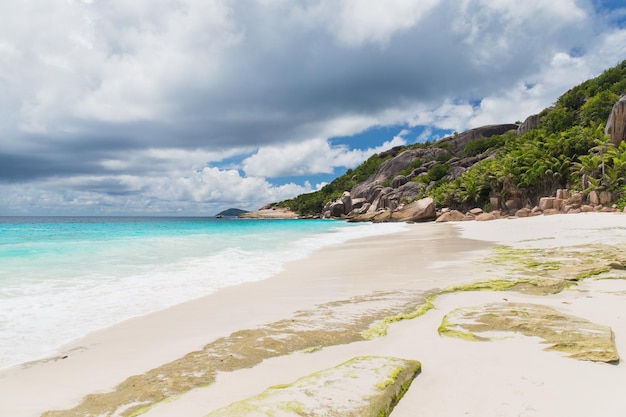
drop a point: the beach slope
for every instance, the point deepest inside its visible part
(442, 295)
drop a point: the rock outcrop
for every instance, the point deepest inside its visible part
(400, 178)
(459, 141)
(381, 383)
(575, 336)
(451, 216)
(616, 125)
(417, 211)
(392, 167)
(531, 123)
(485, 217)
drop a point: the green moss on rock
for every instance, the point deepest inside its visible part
(368, 386)
(380, 327)
(572, 263)
(450, 330)
(579, 338)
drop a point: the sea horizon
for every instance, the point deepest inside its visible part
(63, 277)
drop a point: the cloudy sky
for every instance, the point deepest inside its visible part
(188, 107)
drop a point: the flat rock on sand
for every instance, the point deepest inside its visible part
(363, 386)
(579, 338)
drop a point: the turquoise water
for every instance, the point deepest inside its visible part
(61, 278)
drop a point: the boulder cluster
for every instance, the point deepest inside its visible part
(395, 180)
(565, 202)
(422, 210)
(377, 199)
(408, 173)
(417, 211)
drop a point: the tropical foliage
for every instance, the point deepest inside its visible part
(313, 203)
(568, 150)
(568, 144)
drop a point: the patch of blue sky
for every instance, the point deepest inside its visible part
(577, 52)
(233, 162)
(370, 138)
(313, 180)
(376, 136)
(614, 10)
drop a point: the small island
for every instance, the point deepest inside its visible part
(231, 212)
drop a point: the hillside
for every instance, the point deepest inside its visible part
(563, 147)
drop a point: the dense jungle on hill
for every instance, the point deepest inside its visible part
(568, 148)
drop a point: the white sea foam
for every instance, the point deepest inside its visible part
(39, 314)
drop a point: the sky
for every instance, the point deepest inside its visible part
(189, 107)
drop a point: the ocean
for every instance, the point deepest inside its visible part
(62, 277)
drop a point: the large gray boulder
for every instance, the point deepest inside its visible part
(546, 203)
(347, 202)
(485, 217)
(531, 123)
(403, 187)
(459, 141)
(417, 211)
(616, 125)
(391, 168)
(451, 216)
(337, 209)
(399, 181)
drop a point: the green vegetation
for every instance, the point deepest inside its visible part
(569, 142)
(438, 171)
(231, 212)
(481, 145)
(588, 274)
(412, 166)
(313, 203)
(568, 145)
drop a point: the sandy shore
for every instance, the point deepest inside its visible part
(314, 315)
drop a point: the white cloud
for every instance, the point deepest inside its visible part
(315, 156)
(370, 21)
(450, 115)
(127, 102)
(491, 30)
(531, 94)
(167, 160)
(203, 192)
(112, 61)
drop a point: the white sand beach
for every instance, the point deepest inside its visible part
(310, 317)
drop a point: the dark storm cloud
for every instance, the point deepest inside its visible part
(161, 90)
(273, 92)
(278, 80)
(22, 168)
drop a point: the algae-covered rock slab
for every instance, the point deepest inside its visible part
(579, 338)
(363, 386)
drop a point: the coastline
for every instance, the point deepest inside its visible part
(409, 263)
(70, 278)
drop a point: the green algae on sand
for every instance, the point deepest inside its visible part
(359, 318)
(330, 324)
(575, 336)
(570, 263)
